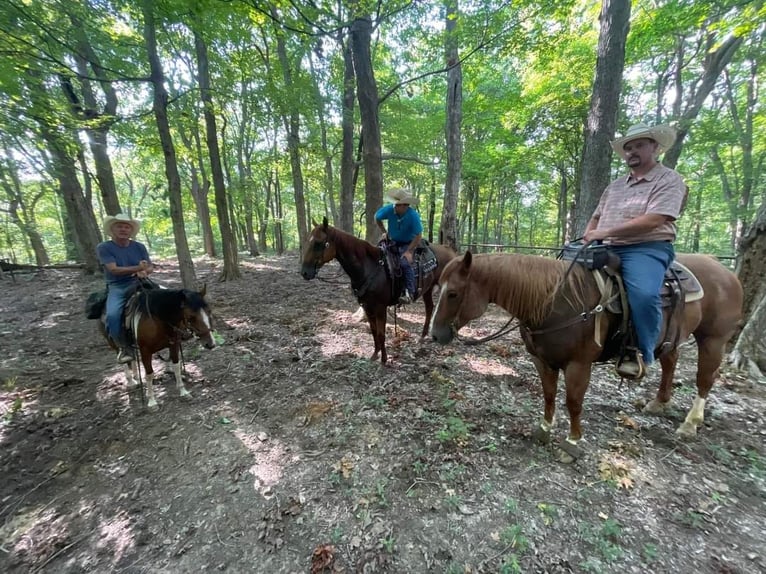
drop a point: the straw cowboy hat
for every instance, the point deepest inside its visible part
(402, 196)
(665, 136)
(110, 220)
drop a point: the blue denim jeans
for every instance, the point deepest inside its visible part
(115, 303)
(643, 269)
(409, 272)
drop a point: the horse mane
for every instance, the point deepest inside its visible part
(537, 283)
(163, 304)
(351, 245)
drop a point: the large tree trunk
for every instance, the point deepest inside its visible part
(18, 212)
(347, 153)
(453, 129)
(604, 102)
(185, 263)
(228, 242)
(99, 121)
(750, 350)
(367, 94)
(80, 216)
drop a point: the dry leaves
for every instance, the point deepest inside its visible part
(322, 558)
(618, 469)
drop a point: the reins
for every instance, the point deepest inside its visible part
(504, 330)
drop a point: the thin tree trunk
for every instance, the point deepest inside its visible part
(228, 242)
(347, 152)
(185, 263)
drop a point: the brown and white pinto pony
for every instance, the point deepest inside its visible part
(533, 290)
(361, 261)
(160, 319)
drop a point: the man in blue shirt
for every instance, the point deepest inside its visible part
(405, 230)
(125, 261)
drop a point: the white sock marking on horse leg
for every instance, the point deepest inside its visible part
(129, 369)
(179, 380)
(151, 401)
(547, 426)
(442, 289)
(696, 415)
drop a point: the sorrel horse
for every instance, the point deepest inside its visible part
(533, 290)
(160, 319)
(363, 263)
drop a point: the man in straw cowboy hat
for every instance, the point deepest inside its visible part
(125, 261)
(636, 217)
(405, 229)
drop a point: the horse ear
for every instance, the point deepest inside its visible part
(467, 260)
(324, 223)
(314, 223)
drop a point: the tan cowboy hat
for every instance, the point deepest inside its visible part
(402, 196)
(110, 220)
(665, 136)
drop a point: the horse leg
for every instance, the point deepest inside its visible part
(577, 377)
(710, 356)
(549, 378)
(428, 301)
(659, 404)
(146, 360)
(174, 359)
(131, 374)
(380, 341)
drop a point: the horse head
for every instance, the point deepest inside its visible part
(319, 250)
(460, 300)
(196, 315)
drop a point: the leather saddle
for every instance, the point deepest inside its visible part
(679, 287)
(423, 263)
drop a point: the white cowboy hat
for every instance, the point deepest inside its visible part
(402, 196)
(665, 136)
(110, 220)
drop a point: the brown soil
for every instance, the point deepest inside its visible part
(298, 454)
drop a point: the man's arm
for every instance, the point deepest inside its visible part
(636, 226)
(143, 268)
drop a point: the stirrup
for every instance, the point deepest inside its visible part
(633, 368)
(125, 355)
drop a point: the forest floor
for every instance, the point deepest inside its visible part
(298, 454)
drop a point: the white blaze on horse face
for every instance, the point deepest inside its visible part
(442, 291)
(206, 320)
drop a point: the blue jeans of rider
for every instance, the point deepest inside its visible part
(643, 270)
(115, 303)
(409, 272)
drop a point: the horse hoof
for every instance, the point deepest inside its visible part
(570, 452)
(186, 395)
(655, 407)
(153, 406)
(541, 435)
(686, 431)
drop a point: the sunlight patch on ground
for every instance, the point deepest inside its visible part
(50, 320)
(270, 457)
(28, 530)
(490, 367)
(116, 535)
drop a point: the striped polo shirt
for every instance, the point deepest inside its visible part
(661, 191)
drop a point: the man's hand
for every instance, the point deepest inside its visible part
(408, 256)
(595, 235)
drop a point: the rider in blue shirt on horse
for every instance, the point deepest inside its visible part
(125, 262)
(405, 230)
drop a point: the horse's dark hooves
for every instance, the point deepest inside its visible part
(570, 452)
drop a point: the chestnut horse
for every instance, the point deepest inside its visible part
(363, 263)
(533, 290)
(160, 319)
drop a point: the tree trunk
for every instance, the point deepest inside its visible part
(749, 353)
(159, 105)
(604, 102)
(751, 261)
(367, 94)
(453, 129)
(228, 242)
(347, 153)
